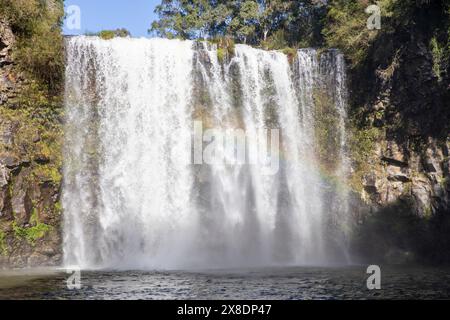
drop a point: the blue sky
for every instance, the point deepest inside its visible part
(96, 15)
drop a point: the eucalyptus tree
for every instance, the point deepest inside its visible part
(247, 21)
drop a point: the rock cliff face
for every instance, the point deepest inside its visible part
(403, 174)
(409, 109)
(400, 101)
(29, 172)
(6, 42)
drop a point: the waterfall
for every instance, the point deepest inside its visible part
(135, 194)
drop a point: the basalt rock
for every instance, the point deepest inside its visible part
(406, 178)
(30, 216)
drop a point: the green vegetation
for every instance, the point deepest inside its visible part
(346, 29)
(48, 173)
(3, 244)
(58, 207)
(221, 54)
(326, 130)
(32, 125)
(378, 59)
(361, 140)
(107, 34)
(253, 22)
(281, 24)
(438, 56)
(35, 104)
(291, 53)
(362, 143)
(111, 34)
(273, 25)
(276, 41)
(38, 53)
(225, 48)
(39, 48)
(32, 234)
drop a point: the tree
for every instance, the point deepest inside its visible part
(274, 15)
(244, 20)
(247, 21)
(186, 19)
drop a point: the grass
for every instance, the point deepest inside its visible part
(32, 234)
(3, 244)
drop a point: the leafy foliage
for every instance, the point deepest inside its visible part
(39, 45)
(39, 64)
(32, 234)
(247, 21)
(346, 29)
(110, 34)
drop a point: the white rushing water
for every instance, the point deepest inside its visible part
(135, 198)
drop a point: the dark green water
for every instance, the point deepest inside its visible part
(278, 283)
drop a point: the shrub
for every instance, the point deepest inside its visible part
(111, 34)
(39, 47)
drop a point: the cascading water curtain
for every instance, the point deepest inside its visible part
(133, 196)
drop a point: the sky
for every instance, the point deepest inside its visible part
(97, 15)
